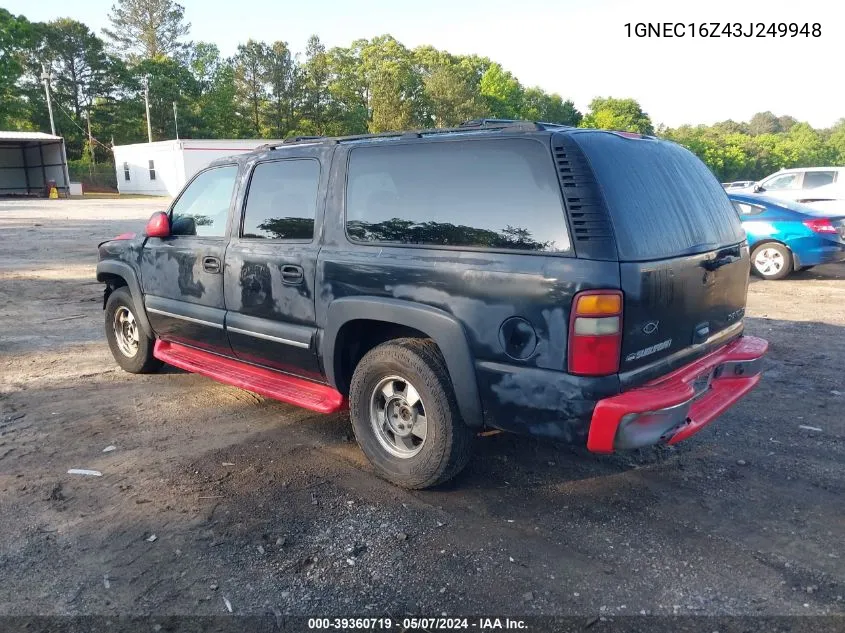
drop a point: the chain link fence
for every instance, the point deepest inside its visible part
(100, 178)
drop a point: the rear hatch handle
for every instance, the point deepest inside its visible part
(715, 264)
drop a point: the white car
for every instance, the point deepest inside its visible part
(798, 184)
(829, 198)
(738, 184)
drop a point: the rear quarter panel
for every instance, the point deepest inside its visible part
(481, 289)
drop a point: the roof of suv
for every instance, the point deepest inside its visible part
(474, 128)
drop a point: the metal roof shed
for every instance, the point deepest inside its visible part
(28, 160)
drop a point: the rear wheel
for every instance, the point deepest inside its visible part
(772, 261)
(130, 346)
(405, 415)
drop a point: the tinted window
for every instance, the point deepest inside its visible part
(282, 200)
(126, 171)
(501, 193)
(786, 181)
(663, 201)
(207, 200)
(813, 179)
(152, 170)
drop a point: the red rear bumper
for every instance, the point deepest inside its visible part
(678, 405)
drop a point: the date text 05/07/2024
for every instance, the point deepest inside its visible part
(418, 623)
(722, 29)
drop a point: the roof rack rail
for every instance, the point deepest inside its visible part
(503, 125)
(300, 139)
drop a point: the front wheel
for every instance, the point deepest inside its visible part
(405, 415)
(771, 261)
(130, 346)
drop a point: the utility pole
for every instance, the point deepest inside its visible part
(147, 102)
(91, 139)
(176, 120)
(46, 77)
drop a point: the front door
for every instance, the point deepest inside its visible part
(271, 268)
(182, 275)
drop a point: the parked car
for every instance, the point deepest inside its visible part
(829, 198)
(576, 285)
(785, 236)
(796, 184)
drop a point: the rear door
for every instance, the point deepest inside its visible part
(182, 275)
(682, 259)
(271, 264)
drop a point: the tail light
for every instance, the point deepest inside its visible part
(595, 333)
(822, 225)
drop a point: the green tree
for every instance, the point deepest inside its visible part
(16, 35)
(607, 113)
(315, 88)
(348, 93)
(284, 79)
(764, 123)
(836, 142)
(450, 88)
(502, 92)
(251, 70)
(170, 82)
(538, 105)
(83, 71)
(393, 87)
(216, 108)
(147, 29)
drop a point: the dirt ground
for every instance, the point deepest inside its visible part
(214, 496)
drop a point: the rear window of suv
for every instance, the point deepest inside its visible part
(495, 194)
(663, 201)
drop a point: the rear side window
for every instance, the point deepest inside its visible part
(662, 200)
(498, 194)
(282, 200)
(813, 179)
(743, 208)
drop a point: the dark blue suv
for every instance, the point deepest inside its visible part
(577, 285)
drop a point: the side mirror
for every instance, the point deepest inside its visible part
(758, 188)
(183, 225)
(158, 225)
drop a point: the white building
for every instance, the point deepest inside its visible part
(162, 168)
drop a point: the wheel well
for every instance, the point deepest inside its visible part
(113, 282)
(358, 337)
(769, 241)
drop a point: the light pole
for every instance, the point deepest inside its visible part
(46, 77)
(147, 102)
(176, 120)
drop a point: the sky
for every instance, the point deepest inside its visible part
(579, 49)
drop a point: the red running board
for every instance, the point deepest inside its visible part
(269, 383)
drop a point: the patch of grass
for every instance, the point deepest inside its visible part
(119, 196)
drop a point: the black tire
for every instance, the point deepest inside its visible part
(765, 273)
(142, 361)
(447, 447)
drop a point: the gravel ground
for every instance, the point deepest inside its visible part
(214, 497)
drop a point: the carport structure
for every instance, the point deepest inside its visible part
(28, 160)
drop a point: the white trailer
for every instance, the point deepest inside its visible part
(29, 160)
(162, 168)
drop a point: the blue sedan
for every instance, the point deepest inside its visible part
(786, 236)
